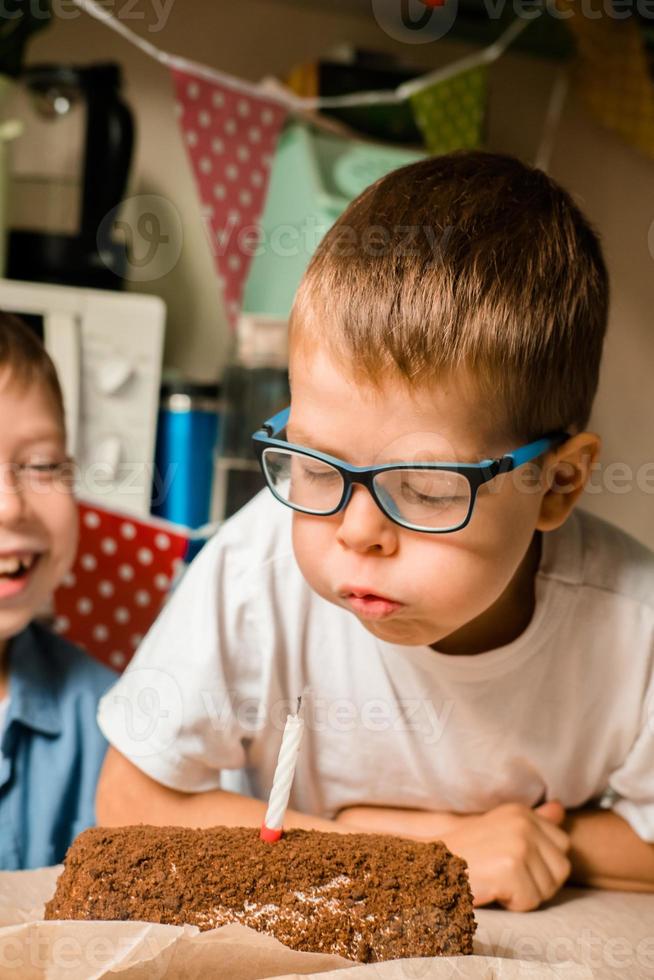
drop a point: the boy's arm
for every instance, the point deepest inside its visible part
(124, 790)
(421, 824)
(606, 853)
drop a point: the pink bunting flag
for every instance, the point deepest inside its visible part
(122, 574)
(230, 137)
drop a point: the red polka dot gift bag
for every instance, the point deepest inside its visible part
(122, 574)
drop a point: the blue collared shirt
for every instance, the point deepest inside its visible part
(51, 748)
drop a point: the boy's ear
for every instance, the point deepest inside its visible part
(566, 471)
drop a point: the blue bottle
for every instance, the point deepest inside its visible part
(187, 437)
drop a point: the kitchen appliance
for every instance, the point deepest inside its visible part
(107, 348)
(70, 172)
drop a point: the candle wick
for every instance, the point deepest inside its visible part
(299, 705)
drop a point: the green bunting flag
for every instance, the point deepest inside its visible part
(451, 113)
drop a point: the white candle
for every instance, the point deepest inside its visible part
(283, 778)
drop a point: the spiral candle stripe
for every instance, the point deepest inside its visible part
(284, 772)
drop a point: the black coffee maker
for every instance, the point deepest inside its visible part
(90, 256)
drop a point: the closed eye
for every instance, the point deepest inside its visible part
(44, 467)
(423, 498)
(46, 471)
(319, 475)
(412, 494)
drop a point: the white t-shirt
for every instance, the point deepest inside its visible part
(565, 711)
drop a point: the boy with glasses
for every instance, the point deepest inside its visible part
(478, 653)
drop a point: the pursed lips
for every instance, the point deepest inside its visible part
(369, 604)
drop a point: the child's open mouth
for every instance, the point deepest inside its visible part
(15, 571)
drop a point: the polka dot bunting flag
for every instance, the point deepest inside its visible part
(451, 113)
(122, 574)
(230, 139)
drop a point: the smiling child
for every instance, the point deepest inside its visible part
(50, 746)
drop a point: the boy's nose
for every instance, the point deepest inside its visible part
(12, 500)
(364, 527)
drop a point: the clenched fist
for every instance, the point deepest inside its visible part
(516, 856)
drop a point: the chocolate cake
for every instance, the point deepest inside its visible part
(367, 897)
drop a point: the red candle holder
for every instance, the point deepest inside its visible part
(269, 834)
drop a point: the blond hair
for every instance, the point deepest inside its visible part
(468, 262)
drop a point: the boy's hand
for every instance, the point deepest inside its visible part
(516, 856)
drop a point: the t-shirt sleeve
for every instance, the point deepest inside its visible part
(632, 785)
(185, 708)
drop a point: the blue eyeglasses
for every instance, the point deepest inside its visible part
(433, 497)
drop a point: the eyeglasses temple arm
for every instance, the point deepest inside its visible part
(276, 423)
(526, 453)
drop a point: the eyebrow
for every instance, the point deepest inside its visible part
(301, 438)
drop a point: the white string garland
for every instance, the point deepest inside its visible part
(551, 126)
(295, 103)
